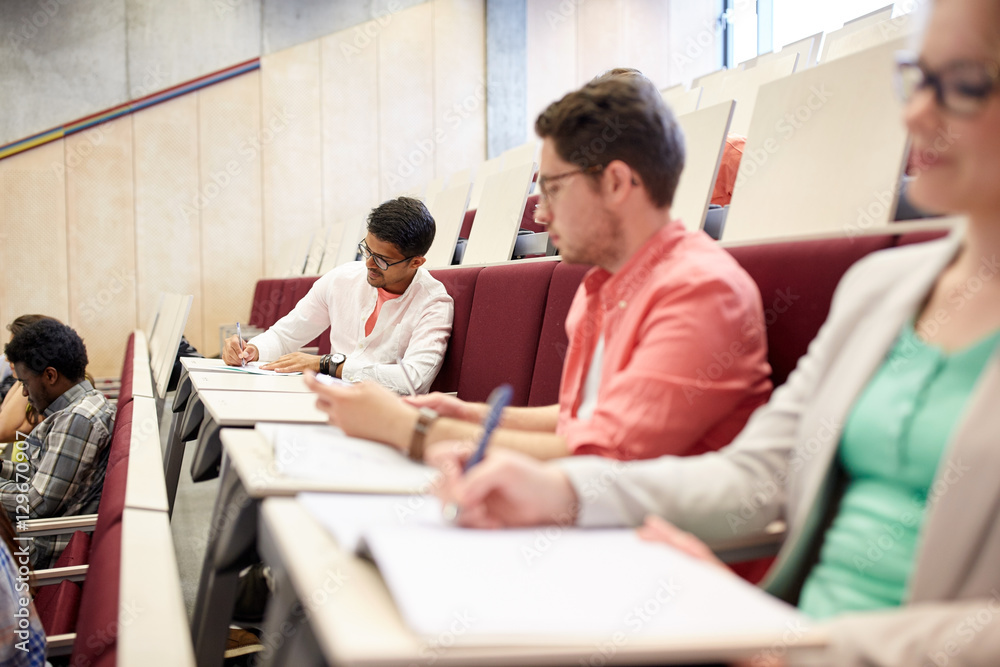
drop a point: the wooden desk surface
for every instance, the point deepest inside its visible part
(356, 622)
(212, 379)
(246, 408)
(197, 363)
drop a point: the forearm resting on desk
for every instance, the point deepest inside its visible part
(538, 444)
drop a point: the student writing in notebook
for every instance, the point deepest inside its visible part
(378, 310)
(881, 451)
(666, 347)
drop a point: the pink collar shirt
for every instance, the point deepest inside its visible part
(685, 353)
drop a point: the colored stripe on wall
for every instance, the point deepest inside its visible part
(22, 145)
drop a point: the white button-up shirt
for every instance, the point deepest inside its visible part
(415, 326)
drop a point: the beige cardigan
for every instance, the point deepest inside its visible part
(780, 467)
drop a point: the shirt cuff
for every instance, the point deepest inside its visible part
(593, 479)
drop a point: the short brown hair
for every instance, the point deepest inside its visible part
(619, 118)
(21, 322)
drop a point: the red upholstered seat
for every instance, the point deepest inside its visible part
(470, 217)
(121, 434)
(97, 628)
(269, 304)
(258, 306)
(112, 505)
(796, 281)
(302, 287)
(461, 285)
(528, 217)
(504, 327)
(125, 386)
(552, 341)
(58, 607)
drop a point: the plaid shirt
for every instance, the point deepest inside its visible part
(64, 474)
(19, 647)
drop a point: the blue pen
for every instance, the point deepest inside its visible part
(498, 400)
(239, 335)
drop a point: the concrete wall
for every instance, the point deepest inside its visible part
(65, 59)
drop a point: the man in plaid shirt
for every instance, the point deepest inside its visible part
(62, 473)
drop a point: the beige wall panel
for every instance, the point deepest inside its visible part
(460, 88)
(406, 104)
(551, 51)
(292, 150)
(167, 220)
(693, 37)
(101, 235)
(350, 127)
(231, 221)
(646, 27)
(32, 218)
(599, 43)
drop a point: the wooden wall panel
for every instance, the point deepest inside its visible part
(167, 211)
(599, 43)
(406, 105)
(552, 59)
(645, 30)
(33, 275)
(693, 40)
(292, 152)
(101, 235)
(350, 129)
(231, 218)
(460, 87)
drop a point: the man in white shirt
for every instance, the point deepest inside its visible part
(378, 310)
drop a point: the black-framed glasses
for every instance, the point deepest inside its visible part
(962, 87)
(380, 261)
(545, 182)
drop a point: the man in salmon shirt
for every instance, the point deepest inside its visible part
(667, 352)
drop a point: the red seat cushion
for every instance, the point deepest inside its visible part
(58, 607)
(461, 285)
(797, 281)
(125, 386)
(552, 341)
(504, 327)
(121, 437)
(112, 505)
(97, 628)
(470, 217)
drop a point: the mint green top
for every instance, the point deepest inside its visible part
(892, 444)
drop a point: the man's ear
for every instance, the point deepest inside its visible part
(619, 179)
(50, 376)
(417, 262)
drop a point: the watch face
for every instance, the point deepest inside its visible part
(338, 359)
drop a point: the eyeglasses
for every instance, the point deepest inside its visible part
(380, 261)
(545, 182)
(962, 87)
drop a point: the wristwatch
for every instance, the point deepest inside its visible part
(328, 363)
(426, 417)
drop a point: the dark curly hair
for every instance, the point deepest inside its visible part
(48, 343)
(405, 223)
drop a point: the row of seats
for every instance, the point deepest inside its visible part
(510, 319)
(107, 567)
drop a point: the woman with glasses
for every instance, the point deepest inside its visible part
(882, 451)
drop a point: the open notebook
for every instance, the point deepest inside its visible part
(323, 453)
(549, 586)
(254, 368)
